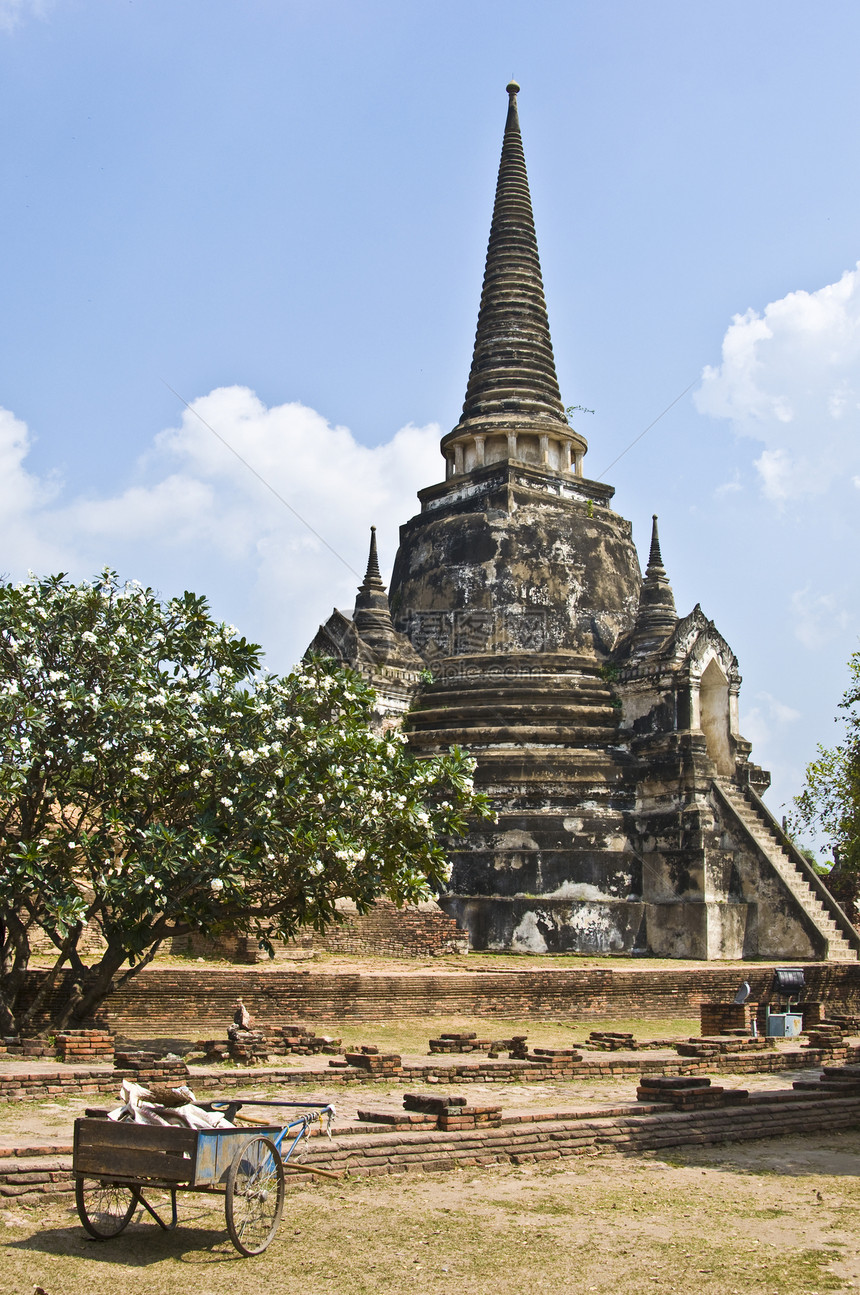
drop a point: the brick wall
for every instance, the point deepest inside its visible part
(194, 1002)
(720, 1018)
(385, 931)
(389, 931)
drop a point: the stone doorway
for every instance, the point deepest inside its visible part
(714, 713)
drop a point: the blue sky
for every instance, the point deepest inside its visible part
(281, 209)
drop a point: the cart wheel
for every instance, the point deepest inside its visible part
(255, 1195)
(105, 1208)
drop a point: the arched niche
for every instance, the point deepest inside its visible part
(715, 716)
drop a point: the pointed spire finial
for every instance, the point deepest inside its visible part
(372, 573)
(513, 386)
(655, 557)
(656, 617)
(372, 616)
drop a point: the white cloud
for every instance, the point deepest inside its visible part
(13, 12)
(790, 378)
(732, 487)
(819, 618)
(764, 725)
(198, 518)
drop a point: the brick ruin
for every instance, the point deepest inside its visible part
(605, 725)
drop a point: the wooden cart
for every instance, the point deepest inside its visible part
(116, 1161)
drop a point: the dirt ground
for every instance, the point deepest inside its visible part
(744, 1219)
(757, 1218)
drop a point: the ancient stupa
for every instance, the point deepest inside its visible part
(604, 726)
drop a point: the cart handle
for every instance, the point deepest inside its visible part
(238, 1102)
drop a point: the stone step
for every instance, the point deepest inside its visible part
(518, 737)
(531, 711)
(762, 832)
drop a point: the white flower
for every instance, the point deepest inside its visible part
(89, 637)
(225, 800)
(216, 884)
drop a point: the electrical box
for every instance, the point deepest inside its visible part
(784, 1025)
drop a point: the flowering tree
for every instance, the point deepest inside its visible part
(830, 799)
(152, 784)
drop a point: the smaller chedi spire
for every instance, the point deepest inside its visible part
(372, 614)
(656, 616)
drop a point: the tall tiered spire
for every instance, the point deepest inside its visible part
(656, 617)
(513, 390)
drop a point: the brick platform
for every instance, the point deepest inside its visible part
(30, 1174)
(68, 1083)
(84, 1045)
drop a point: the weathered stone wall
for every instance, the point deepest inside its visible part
(515, 559)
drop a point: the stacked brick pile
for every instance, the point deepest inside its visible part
(554, 1060)
(246, 1047)
(723, 1045)
(85, 1045)
(609, 1041)
(727, 1018)
(449, 1042)
(435, 1112)
(152, 1068)
(250, 1047)
(850, 1024)
(687, 1093)
(11, 1045)
(839, 1081)
(373, 1061)
(812, 1012)
(29, 1173)
(452, 1042)
(403, 1121)
(303, 1042)
(453, 1112)
(825, 1037)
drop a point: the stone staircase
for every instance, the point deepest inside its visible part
(758, 824)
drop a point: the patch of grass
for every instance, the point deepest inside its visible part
(410, 1036)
